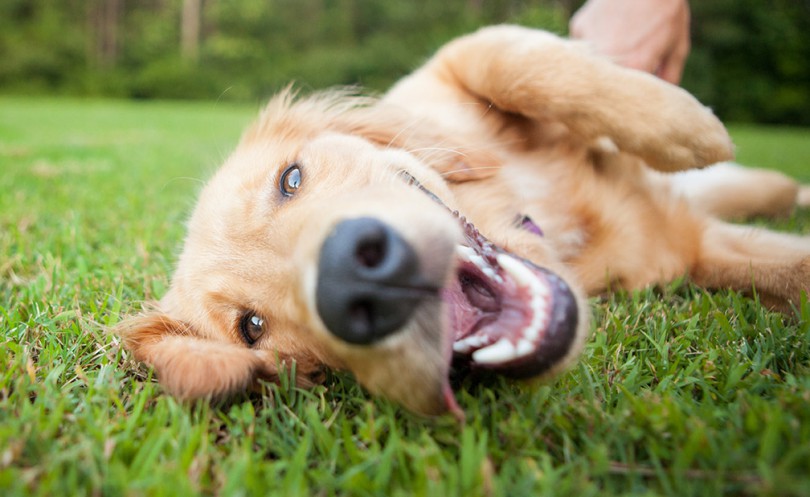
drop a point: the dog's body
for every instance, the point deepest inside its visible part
(328, 239)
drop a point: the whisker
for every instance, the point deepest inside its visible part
(416, 120)
(482, 168)
(438, 149)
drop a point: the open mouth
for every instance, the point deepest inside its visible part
(506, 315)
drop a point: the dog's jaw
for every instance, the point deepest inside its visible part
(507, 315)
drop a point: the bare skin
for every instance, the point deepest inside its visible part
(650, 35)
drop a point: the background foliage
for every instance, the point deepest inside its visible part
(749, 61)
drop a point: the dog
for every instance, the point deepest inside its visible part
(460, 221)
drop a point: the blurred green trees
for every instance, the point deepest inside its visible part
(749, 60)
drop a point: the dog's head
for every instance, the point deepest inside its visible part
(320, 243)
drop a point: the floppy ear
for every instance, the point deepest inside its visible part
(388, 126)
(188, 366)
(460, 166)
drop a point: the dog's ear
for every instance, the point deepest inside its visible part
(390, 127)
(456, 166)
(189, 366)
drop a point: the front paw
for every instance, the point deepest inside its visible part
(692, 136)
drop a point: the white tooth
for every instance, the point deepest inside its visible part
(532, 333)
(539, 318)
(467, 254)
(461, 347)
(464, 252)
(524, 347)
(524, 276)
(491, 274)
(465, 345)
(517, 270)
(538, 304)
(500, 351)
(478, 261)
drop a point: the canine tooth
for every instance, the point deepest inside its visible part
(524, 277)
(500, 351)
(524, 347)
(517, 271)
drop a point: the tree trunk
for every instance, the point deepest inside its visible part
(104, 19)
(190, 30)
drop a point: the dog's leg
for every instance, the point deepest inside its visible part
(545, 78)
(774, 265)
(731, 191)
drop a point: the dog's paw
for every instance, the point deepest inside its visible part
(691, 136)
(661, 123)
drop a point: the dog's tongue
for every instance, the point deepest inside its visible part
(452, 406)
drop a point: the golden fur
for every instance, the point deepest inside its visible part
(502, 122)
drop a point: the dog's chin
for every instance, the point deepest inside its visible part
(506, 315)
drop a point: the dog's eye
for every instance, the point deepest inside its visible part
(290, 180)
(252, 327)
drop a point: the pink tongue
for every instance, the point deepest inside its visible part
(463, 315)
(452, 405)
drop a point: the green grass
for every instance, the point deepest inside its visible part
(679, 392)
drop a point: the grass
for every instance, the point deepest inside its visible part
(679, 392)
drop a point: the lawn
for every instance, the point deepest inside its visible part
(679, 392)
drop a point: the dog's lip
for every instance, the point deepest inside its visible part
(506, 315)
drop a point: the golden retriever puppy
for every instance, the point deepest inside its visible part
(460, 220)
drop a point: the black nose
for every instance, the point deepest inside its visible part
(368, 282)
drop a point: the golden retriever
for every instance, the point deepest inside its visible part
(460, 220)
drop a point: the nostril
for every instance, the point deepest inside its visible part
(370, 252)
(361, 318)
